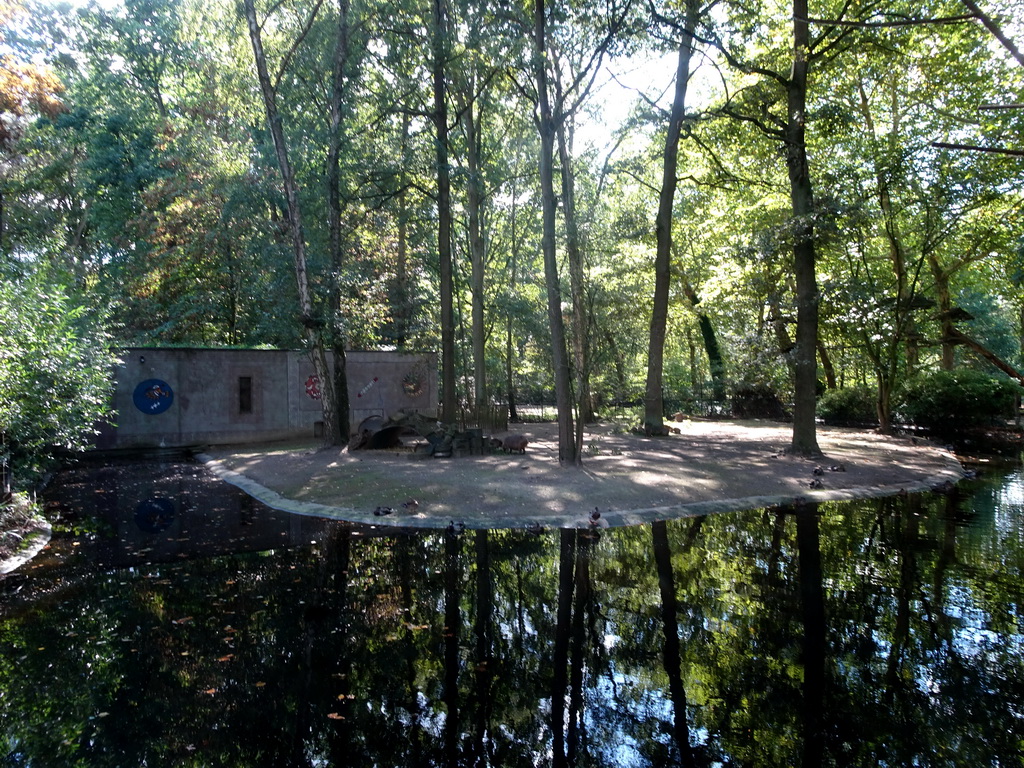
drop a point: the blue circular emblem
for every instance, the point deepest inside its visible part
(153, 396)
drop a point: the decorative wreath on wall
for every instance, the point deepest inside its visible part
(313, 386)
(413, 383)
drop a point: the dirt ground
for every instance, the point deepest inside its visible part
(709, 465)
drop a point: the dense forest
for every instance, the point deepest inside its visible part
(670, 205)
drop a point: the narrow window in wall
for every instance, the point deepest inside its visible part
(245, 394)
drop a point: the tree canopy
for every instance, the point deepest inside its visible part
(608, 205)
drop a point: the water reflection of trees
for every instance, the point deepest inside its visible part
(884, 632)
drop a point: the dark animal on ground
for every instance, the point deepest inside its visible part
(515, 444)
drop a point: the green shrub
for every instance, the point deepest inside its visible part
(850, 406)
(56, 372)
(949, 401)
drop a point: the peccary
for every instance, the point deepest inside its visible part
(515, 444)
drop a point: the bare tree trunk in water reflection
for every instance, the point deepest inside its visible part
(318, 619)
(671, 652)
(812, 599)
(415, 737)
(566, 570)
(905, 540)
(336, 559)
(483, 629)
(581, 609)
(452, 622)
(947, 558)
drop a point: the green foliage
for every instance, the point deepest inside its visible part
(849, 406)
(55, 372)
(948, 401)
(158, 187)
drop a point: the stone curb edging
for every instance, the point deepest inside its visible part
(38, 539)
(609, 518)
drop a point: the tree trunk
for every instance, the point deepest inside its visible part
(581, 603)
(486, 669)
(671, 651)
(941, 278)
(1020, 345)
(711, 347)
(1020, 339)
(450, 695)
(567, 540)
(780, 327)
(813, 651)
(513, 272)
(619, 363)
(342, 428)
(654, 405)
(474, 202)
(400, 300)
(826, 366)
(510, 393)
(314, 340)
(577, 288)
(444, 217)
(696, 380)
(6, 478)
(805, 440)
(883, 406)
(567, 447)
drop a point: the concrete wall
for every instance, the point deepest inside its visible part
(187, 397)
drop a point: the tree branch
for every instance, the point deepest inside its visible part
(286, 60)
(767, 130)
(973, 148)
(992, 27)
(747, 69)
(884, 24)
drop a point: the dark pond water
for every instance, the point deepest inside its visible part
(173, 622)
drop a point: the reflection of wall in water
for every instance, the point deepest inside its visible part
(166, 398)
(170, 511)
